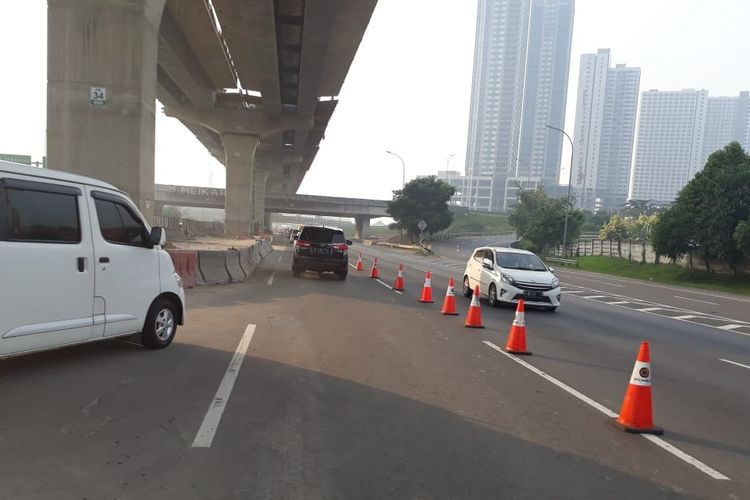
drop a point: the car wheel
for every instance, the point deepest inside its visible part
(467, 287)
(493, 296)
(161, 325)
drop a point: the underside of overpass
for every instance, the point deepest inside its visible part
(256, 81)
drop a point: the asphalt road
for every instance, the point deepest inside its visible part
(350, 390)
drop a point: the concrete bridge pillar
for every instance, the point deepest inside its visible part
(361, 226)
(238, 204)
(260, 177)
(108, 135)
(267, 222)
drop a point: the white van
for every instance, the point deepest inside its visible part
(78, 263)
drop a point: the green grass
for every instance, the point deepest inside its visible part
(667, 273)
(479, 223)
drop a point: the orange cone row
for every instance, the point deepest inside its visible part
(636, 413)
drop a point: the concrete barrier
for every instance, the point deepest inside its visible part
(213, 267)
(245, 262)
(186, 265)
(255, 257)
(233, 266)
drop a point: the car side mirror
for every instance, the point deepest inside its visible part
(487, 264)
(158, 236)
(551, 269)
(349, 242)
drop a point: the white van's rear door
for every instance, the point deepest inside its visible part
(46, 275)
(127, 271)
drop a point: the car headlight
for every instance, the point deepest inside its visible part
(555, 282)
(508, 279)
(179, 280)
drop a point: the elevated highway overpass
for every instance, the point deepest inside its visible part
(362, 210)
(256, 81)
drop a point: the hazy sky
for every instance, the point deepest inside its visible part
(409, 87)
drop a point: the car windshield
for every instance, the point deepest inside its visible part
(322, 235)
(528, 262)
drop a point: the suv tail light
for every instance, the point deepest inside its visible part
(341, 246)
(303, 244)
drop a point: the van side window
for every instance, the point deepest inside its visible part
(118, 224)
(479, 255)
(39, 216)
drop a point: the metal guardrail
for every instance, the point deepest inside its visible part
(450, 236)
(560, 260)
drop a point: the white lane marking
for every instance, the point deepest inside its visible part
(618, 303)
(648, 309)
(594, 296)
(731, 326)
(387, 286)
(211, 421)
(577, 274)
(572, 291)
(270, 278)
(280, 257)
(353, 266)
(602, 282)
(657, 441)
(686, 316)
(734, 363)
(696, 300)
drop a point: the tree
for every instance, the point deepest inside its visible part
(594, 221)
(640, 228)
(634, 208)
(425, 199)
(742, 238)
(541, 219)
(708, 210)
(615, 230)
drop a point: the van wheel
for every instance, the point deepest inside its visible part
(161, 325)
(467, 287)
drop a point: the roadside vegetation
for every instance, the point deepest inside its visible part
(672, 274)
(423, 199)
(475, 222)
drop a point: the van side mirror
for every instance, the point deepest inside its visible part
(551, 269)
(158, 236)
(349, 242)
(487, 264)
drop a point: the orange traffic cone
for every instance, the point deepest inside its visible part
(517, 335)
(360, 266)
(398, 285)
(636, 414)
(474, 318)
(427, 289)
(374, 273)
(449, 304)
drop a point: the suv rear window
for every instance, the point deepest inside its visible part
(322, 235)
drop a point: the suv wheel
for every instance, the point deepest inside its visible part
(493, 296)
(467, 287)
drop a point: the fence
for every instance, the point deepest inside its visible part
(192, 227)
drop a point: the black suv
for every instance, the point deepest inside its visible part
(320, 248)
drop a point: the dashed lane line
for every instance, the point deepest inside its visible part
(388, 286)
(734, 363)
(211, 420)
(696, 300)
(280, 257)
(270, 278)
(598, 406)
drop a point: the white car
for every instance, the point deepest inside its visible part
(78, 263)
(505, 275)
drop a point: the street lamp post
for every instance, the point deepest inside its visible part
(403, 184)
(570, 182)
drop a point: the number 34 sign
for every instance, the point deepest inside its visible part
(98, 96)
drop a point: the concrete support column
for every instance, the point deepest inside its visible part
(238, 204)
(260, 176)
(267, 222)
(109, 45)
(361, 227)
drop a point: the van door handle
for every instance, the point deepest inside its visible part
(104, 260)
(81, 264)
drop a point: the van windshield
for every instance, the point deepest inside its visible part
(527, 262)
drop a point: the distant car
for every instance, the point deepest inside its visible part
(505, 275)
(321, 249)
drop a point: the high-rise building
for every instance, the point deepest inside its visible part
(521, 63)
(604, 129)
(677, 131)
(545, 97)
